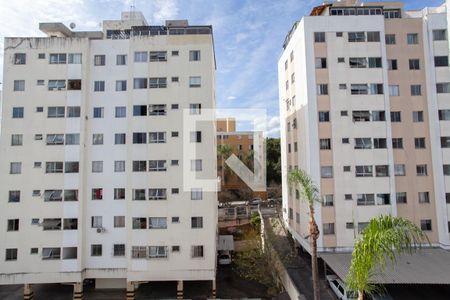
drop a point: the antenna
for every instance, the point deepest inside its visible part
(132, 10)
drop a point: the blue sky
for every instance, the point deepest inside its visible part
(248, 36)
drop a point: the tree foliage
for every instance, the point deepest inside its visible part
(273, 160)
(383, 240)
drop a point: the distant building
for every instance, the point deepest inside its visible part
(242, 145)
(364, 91)
(92, 156)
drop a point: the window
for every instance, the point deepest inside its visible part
(14, 196)
(441, 61)
(349, 225)
(96, 221)
(342, 86)
(357, 62)
(373, 36)
(326, 172)
(157, 110)
(139, 252)
(175, 53)
(19, 85)
(194, 55)
(56, 112)
(363, 143)
(51, 253)
(175, 190)
(397, 143)
(328, 228)
(72, 139)
(119, 138)
(139, 194)
(348, 197)
(97, 194)
(324, 116)
(16, 140)
(401, 198)
(399, 170)
(322, 89)
(97, 166)
(414, 64)
(439, 35)
(444, 115)
(140, 83)
(195, 81)
(339, 34)
(139, 223)
(394, 90)
(196, 136)
(54, 167)
(382, 171)
(121, 85)
(328, 200)
(445, 142)
(416, 90)
(139, 138)
(99, 60)
(291, 55)
(39, 109)
(119, 221)
(359, 36)
(396, 116)
(139, 110)
(20, 58)
(392, 64)
(196, 194)
(98, 112)
(325, 144)
(10, 254)
(121, 59)
(158, 55)
(70, 224)
(359, 89)
(292, 78)
(347, 168)
(363, 171)
(157, 223)
(378, 116)
(376, 88)
(139, 165)
(34, 251)
(379, 143)
(424, 197)
(41, 55)
(70, 195)
(375, 62)
(157, 251)
(443, 88)
(13, 225)
(417, 116)
(57, 58)
(73, 111)
(96, 250)
(196, 165)
(419, 143)
(197, 251)
(51, 224)
(421, 170)
(446, 169)
(119, 250)
(412, 38)
(15, 168)
(75, 58)
(157, 194)
(390, 39)
(99, 86)
(321, 62)
(71, 167)
(447, 198)
(157, 82)
(425, 225)
(341, 59)
(195, 108)
(121, 111)
(157, 137)
(157, 165)
(319, 37)
(119, 166)
(17, 112)
(97, 139)
(391, 13)
(365, 199)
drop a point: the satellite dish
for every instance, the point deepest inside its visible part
(72, 25)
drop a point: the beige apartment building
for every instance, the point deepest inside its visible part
(364, 91)
(95, 154)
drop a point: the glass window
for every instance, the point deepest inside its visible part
(72, 138)
(139, 110)
(443, 88)
(20, 58)
(57, 58)
(390, 39)
(158, 55)
(412, 38)
(326, 172)
(119, 166)
(19, 85)
(414, 64)
(441, 61)
(359, 36)
(74, 58)
(196, 194)
(73, 111)
(195, 108)
(363, 171)
(97, 166)
(373, 36)
(157, 82)
(319, 37)
(322, 89)
(16, 140)
(394, 90)
(399, 170)
(424, 197)
(416, 90)
(17, 112)
(121, 59)
(99, 60)
(157, 194)
(97, 139)
(439, 34)
(140, 83)
(121, 111)
(195, 81)
(121, 85)
(196, 165)
(119, 139)
(140, 56)
(139, 165)
(99, 86)
(98, 112)
(365, 199)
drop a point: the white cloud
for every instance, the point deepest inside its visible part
(164, 10)
(231, 97)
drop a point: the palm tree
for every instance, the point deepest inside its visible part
(223, 152)
(310, 193)
(248, 159)
(384, 239)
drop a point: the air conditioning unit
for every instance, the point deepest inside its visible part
(101, 230)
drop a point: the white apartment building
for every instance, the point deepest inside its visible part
(364, 91)
(92, 156)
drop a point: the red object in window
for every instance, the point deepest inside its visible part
(99, 194)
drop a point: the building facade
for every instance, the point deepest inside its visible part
(92, 161)
(364, 94)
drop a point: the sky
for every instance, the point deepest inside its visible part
(248, 36)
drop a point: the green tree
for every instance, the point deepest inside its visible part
(384, 239)
(273, 160)
(310, 194)
(223, 152)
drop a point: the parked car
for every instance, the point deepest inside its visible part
(255, 201)
(224, 259)
(339, 288)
